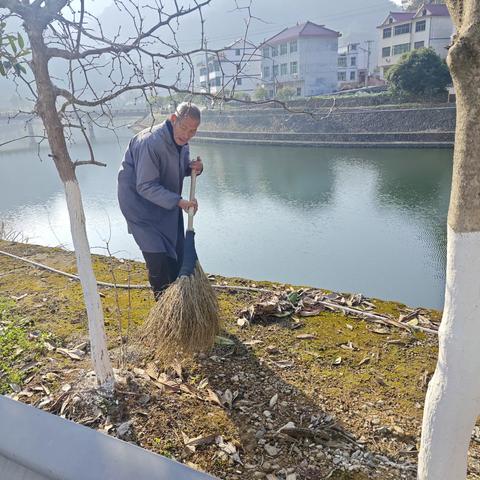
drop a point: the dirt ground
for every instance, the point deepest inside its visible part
(280, 397)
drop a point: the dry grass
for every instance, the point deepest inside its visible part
(183, 322)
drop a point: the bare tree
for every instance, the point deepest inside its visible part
(453, 398)
(75, 40)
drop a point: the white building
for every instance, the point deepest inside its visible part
(235, 68)
(430, 26)
(303, 57)
(353, 65)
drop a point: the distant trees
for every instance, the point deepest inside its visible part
(420, 72)
(260, 93)
(286, 93)
(416, 4)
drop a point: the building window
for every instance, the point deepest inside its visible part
(283, 49)
(266, 52)
(299, 91)
(237, 52)
(293, 46)
(385, 52)
(387, 32)
(203, 71)
(239, 81)
(216, 66)
(421, 26)
(342, 61)
(401, 48)
(283, 69)
(353, 46)
(270, 93)
(274, 51)
(275, 70)
(293, 67)
(353, 61)
(218, 81)
(418, 45)
(401, 29)
(266, 72)
(352, 75)
(342, 76)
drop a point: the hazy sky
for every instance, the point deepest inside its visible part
(97, 6)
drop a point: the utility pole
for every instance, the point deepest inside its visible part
(368, 42)
(206, 67)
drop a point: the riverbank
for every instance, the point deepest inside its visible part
(348, 391)
(384, 126)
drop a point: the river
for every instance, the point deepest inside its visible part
(369, 221)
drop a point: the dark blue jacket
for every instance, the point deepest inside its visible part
(150, 184)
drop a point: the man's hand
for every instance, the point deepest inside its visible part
(197, 165)
(185, 205)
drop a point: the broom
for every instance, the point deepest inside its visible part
(185, 319)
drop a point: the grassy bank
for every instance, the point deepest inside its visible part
(348, 385)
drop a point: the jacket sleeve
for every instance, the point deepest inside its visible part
(148, 178)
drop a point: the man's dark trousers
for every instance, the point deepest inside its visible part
(162, 271)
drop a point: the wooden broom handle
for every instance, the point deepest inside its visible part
(193, 181)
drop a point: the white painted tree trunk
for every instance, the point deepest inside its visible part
(98, 343)
(453, 398)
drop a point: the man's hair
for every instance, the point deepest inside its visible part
(188, 109)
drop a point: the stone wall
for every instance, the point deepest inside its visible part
(339, 120)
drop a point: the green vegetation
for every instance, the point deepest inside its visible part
(420, 73)
(15, 344)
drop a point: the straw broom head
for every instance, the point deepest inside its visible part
(184, 321)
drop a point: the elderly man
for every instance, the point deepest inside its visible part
(150, 184)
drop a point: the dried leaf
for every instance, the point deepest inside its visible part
(363, 361)
(224, 341)
(283, 364)
(250, 343)
(337, 361)
(273, 400)
(199, 441)
(311, 313)
(152, 371)
(73, 354)
(306, 336)
(213, 397)
(381, 330)
(243, 322)
(203, 383)
(228, 398)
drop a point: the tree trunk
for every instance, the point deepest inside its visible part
(46, 109)
(453, 398)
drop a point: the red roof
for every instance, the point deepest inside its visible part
(398, 17)
(438, 10)
(307, 29)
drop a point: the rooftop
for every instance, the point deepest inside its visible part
(307, 29)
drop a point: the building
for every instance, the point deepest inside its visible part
(303, 58)
(401, 32)
(353, 65)
(237, 68)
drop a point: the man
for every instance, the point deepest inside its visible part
(150, 184)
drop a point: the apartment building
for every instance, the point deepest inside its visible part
(353, 65)
(303, 57)
(430, 26)
(235, 68)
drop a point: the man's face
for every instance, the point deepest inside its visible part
(184, 129)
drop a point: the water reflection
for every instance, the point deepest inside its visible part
(364, 220)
